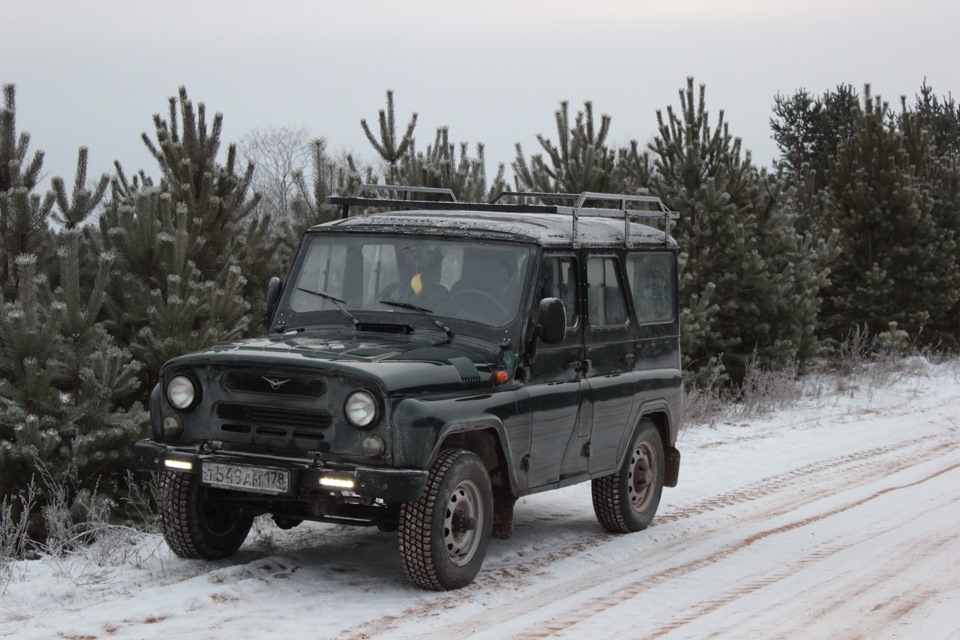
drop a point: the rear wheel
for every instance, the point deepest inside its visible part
(444, 534)
(195, 526)
(627, 500)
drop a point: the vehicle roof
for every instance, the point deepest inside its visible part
(553, 230)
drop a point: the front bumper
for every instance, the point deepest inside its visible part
(390, 485)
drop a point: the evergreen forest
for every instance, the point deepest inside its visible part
(103, 278)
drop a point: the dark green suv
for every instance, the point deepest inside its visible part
(429, 362)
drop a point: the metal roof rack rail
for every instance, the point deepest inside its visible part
(404, 189)
(356, 199)
(656, 207)
(578, 209)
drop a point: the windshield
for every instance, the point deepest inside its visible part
(461, 280)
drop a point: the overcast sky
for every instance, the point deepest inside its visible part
(93, 72)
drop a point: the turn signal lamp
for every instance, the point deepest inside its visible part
(173, 426)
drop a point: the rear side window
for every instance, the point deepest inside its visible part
(605, 295)
(652, 282)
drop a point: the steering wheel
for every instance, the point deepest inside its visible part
(481, 303)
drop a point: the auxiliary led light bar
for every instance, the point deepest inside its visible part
(337, 482)
(182, 465)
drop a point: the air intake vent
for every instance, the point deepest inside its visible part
(252, 414)
(248, 382)
(465, 367)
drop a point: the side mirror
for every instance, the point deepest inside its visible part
(551, 320)
(274, 289)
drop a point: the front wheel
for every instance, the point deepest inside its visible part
(444, 534)
(195, 526)
(627, 500)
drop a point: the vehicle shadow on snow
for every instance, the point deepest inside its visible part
(322, 551)
(342, 554)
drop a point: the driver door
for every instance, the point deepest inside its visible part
(555, 384)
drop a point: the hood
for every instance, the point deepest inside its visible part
(396, 363)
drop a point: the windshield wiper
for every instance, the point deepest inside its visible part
(426, 312)
(336, 301)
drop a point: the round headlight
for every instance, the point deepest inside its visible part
(361, 409)
(180, 392)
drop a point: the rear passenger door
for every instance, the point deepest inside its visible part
(610, 346)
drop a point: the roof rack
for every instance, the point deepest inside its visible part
(656, 209)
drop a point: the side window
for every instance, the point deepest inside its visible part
(558, 279)
(653, 284)
(605, 295)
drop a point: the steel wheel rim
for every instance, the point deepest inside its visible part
(641, 476)
(217, 519)
(463, 522)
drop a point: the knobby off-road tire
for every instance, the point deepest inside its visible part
(444, 535)
(627, 500)
(195, 527)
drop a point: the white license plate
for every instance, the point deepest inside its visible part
(244, 478)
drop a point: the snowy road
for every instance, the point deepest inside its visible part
(838, 518)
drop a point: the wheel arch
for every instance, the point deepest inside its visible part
(661, 420)
(486, 442)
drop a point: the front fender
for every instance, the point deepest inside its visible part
(422, 425)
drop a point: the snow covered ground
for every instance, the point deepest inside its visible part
(838, 518)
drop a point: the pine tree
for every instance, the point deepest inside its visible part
(809, 128)
(941, 118)
(31, 351)
(99, 377)
(23, 213)
(192, 253)
(579, 161)
(748, 280)
(216, 197)
(65, 413)
(74, 209)
(185, 312)
(388, 146)
(899, 260)
(162, 304)
(932, 135)
(634, 169)
(440, 167)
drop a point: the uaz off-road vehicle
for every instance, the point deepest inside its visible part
(426, 366)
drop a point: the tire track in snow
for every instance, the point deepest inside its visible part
(870, 461)
(866, 465)
(827, 550)
(842, 597)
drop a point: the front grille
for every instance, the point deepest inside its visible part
(248, 382)
(273, 416)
